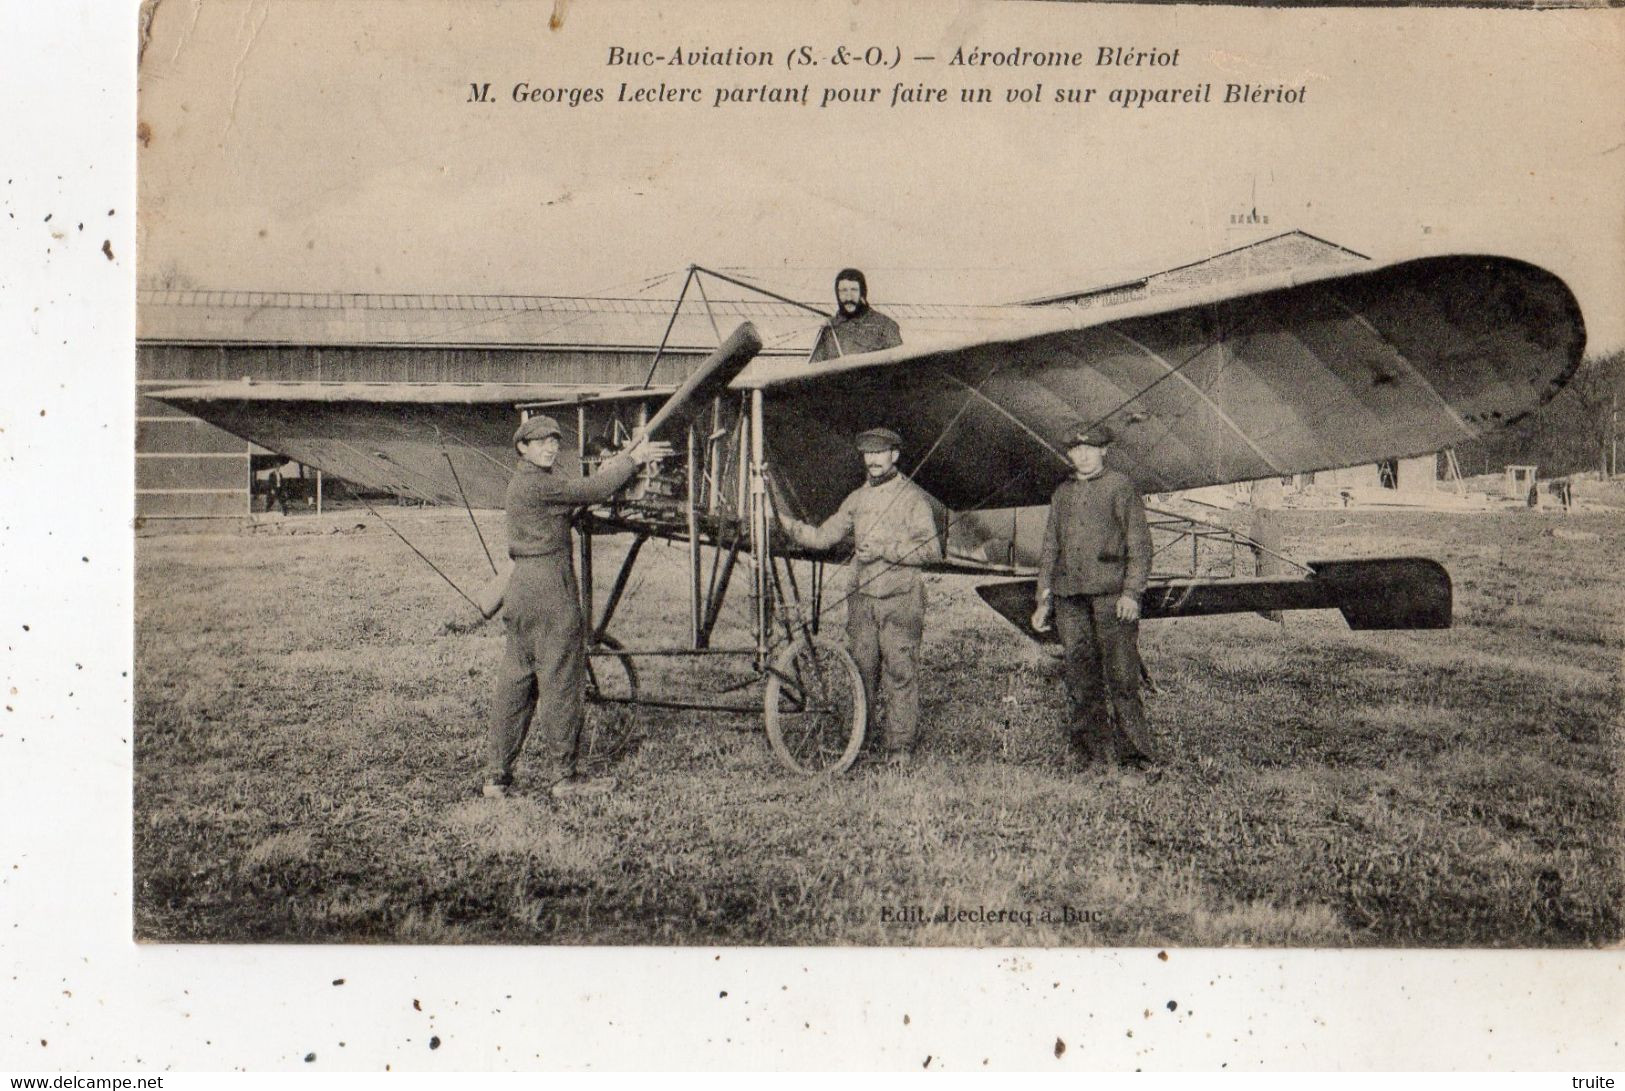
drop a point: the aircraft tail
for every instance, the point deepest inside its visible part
(1381, 593)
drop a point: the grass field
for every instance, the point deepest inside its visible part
(310, 710)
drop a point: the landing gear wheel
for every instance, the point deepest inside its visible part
(612, 687)
(815, 708)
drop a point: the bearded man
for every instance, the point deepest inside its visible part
(856, 327)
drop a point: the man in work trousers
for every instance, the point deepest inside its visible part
(893, 533)
(1092, 572)
(856, 326)
(543, 676)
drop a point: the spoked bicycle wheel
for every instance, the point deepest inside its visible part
(815, 708)
(612, 687)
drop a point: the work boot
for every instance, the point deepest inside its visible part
(576, 786)
(1085, 754)
(1141, 767)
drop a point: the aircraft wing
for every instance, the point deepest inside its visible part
(1239, 381)
(432, 441)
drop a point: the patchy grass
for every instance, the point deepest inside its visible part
(311, 707)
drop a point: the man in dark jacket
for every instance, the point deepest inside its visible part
(1092, 571)
(543, 676)
(856, 327)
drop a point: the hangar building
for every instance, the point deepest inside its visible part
(186, 469)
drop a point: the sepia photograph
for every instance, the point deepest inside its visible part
(603, 535)
(1001, 475)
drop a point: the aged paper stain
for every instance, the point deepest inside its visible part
(144, 29)
(237, 69)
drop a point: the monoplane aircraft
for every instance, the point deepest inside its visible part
(1285, 374)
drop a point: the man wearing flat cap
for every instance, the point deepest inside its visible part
(856, 327)
(543, 677)
(1092, 571)
(893, 532)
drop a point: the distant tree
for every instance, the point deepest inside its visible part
(1598, 390)
(1573, 432)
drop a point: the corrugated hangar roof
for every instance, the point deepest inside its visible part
(628, 324)
(1287, 250)
(509, 321)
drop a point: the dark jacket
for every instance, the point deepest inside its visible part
(1096, 541)
(541, 503)
(870, 331)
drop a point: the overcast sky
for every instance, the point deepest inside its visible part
(303, 146)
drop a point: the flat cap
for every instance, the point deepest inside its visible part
(1097, 436)
(536, 427)
(878, 439)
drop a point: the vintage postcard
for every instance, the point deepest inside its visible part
(1331, 255)
(979, 475)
